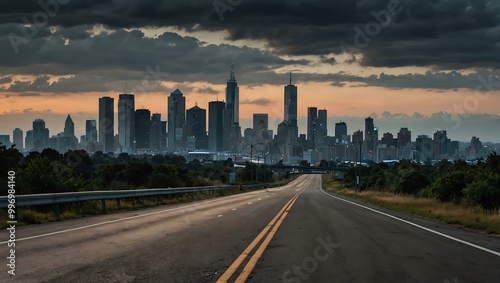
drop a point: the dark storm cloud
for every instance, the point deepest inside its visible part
(447, 34)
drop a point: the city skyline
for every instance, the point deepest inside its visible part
(353, 60)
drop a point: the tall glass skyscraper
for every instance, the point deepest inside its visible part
(126, 122)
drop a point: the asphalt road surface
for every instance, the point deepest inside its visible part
(296, 233)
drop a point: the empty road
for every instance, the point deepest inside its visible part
(296, 233)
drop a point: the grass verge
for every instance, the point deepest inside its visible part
(459, 215)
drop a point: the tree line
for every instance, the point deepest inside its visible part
(458, 181)
(52, 172)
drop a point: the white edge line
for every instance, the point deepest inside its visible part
(127, 218)
(411, 223)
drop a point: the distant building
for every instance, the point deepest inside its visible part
(17, 137)
(215, 125)
(155, 133)
(388, 140)
(176, 119)
(126, 122)
(69, 127)
(260, 127)
(40, 135)
(320, 128)
(312, 113)
(5, 140)
(404, 137)
(441, 144)
(370, 134)
(231, 123)
(142, 128)
(196, 126)
(424, 149)
(357, 137)
(341, 132)
(291, 103)
(91, 131)
(106, 124)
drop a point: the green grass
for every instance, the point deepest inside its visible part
(459, 215)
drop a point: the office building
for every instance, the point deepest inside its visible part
(341, 132)
(40, 135)
(404, 137)
(106, 124)
(215, 125)
(126, 122)
(176, 119)
(142, 128)
(17, 138)
(196, 126)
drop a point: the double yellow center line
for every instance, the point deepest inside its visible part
(274, 224)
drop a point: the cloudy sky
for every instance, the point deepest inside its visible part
(426, 64)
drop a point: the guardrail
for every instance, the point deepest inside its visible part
(57, 198)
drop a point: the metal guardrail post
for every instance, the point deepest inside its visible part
(103, 201)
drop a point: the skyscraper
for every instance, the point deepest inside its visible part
(231, 123)
(320, 128)
(17, 138)
(176, 119)
(369, 134)
(106, 124)
(340, 131)
(312, 113)
(440, 144)
(40, 135)
(233, 96)
(260, 126)
(215, 125)
(91, 131)
(404, 137)
(388, 140)
(126, 122)
(291, 103)
(69, 127)
(424, 148)
(142, 125)
(196, 126)
(155, 133)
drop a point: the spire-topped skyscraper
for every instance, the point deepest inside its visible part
(69, 127)
(232, 96)
(291, 103)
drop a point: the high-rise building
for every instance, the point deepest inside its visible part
(320, 128)
(423, 148)
(176, 120)
(260, 127)
(126, 122)
(291, 103)
(69, 127)
(312, 113)
(340, 132)
(231, 123)
(196, 126)
(40, 135)
(357, 137)
(387, 139)
(106, 124)
(17, 138)
(232, 97)
(155, 133)
(215, 125)
(5, 140)
(404, 137)
(142, 128)
(91, 131)
(440, 140)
